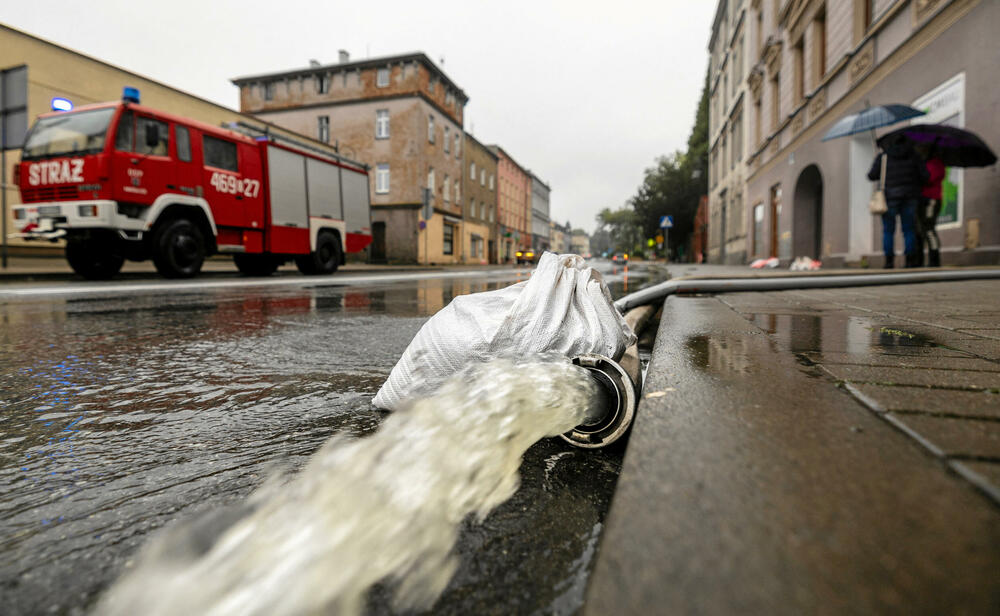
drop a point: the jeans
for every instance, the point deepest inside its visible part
(906, 209)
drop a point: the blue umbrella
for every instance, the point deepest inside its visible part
(870, 119)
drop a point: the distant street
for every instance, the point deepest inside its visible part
(134, 403)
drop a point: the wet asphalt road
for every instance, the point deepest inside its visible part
(130, 405)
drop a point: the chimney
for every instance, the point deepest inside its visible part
(344, 56)
(314, 63)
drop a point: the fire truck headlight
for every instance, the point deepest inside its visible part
(87, 210)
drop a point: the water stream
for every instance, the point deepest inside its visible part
(383, 509)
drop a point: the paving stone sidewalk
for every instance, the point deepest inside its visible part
(819, 451)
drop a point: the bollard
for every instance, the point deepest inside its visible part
(610, 412)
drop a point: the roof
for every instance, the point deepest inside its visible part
(358, 65)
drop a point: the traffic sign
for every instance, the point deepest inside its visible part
(666, 222)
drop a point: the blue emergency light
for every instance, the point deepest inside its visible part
(61, 104)
(130, 95)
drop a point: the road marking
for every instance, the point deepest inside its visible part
(196, 285)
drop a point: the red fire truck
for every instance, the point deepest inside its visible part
(122, 181)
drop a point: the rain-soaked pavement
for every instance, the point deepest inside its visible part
(127, 408)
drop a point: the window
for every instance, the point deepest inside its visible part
(758, 120)
(430, 180)
(219, 153)
(183, 143)
(382, 124)
(491, 181)
(430, 128)
(447, 143)
(382, 178)
(775, 102)
(491, 213)
(458, 192)
(472, 171)
(819, 48)
(482, 178)
(458, 145)
(323, 128)
(382, 77)
(799, 85)
(322, 83)
(158, 131)
(449, 239)
(269, 91)
(472, 208)
(431, 84)
(445, 188)
(738, 137)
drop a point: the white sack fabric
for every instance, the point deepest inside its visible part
(564, 307)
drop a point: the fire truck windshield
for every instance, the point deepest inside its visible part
(80, 132)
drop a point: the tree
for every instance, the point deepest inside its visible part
(624, 228)
(675, 184)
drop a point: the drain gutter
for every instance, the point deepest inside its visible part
(658, 292)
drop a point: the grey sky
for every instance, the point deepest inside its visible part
(585, 94)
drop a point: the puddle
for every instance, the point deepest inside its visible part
(718, 355)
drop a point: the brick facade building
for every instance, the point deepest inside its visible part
(513, 205)
(481, 196)
(401, 115)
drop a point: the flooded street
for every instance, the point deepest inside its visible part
(127, 411)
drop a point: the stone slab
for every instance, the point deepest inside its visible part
(751, 486)
(983, 404)
(964, 437)
(928, 377)
(941, 360)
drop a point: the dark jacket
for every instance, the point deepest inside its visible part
(905, 172)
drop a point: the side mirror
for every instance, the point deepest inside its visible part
(152, 135)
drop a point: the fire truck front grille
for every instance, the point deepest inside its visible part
(48, 193)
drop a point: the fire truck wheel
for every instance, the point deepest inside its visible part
(178, 249)
(93, 260)
(256, 265)
(325, 259)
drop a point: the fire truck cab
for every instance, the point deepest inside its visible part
(123, 181)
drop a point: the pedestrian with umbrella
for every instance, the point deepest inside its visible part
(945, 146)
(905, 176)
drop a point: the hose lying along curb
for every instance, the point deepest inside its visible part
(733, 285)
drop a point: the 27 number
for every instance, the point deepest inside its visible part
(233, 185)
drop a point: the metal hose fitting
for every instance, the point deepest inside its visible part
(610, 411)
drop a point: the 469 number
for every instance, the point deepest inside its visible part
(235, 186)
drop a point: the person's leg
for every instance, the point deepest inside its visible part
(920, 233)
(889, 235)
(932, 210)
(907, 221)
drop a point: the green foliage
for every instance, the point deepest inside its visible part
(676, 183)
(623, 227)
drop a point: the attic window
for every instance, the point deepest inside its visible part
(382, 77)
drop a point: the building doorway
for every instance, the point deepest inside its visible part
(807, 214)
(378, 242)
(775, 207)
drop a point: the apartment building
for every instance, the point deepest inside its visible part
(513, 205)
(580, 243)
(812, 62)
(403, 116)
(481, 210)
(539, 214)
(728, 53)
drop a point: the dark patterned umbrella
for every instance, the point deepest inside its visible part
(870, 119)
(956, 147)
